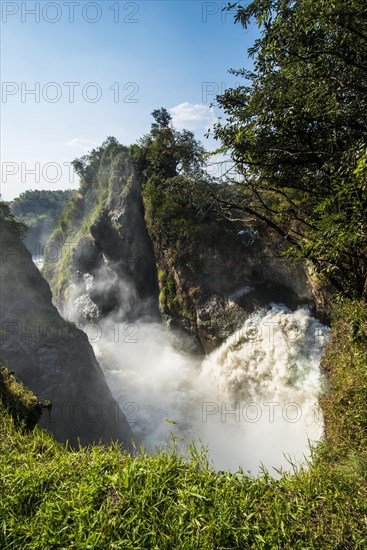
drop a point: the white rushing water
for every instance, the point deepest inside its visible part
(38, 260)
(252, 401)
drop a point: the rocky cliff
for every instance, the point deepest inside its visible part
(51, 356)
(215, 272)
(100, 259)
(131, 248)
(228, 283)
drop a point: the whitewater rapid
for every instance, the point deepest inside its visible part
(252, 402)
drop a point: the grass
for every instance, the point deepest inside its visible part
(52, 497)
(22, 404)
(345, 364)
(102, 498)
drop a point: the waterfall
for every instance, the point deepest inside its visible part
(252, 401)
(38, 260)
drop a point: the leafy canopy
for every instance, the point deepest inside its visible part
(297, 132)
(9, 224)
(33, 203)
(167, 152)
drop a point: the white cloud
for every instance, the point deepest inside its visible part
(192, 116)
(81, 144)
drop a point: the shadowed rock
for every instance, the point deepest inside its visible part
(53, 357)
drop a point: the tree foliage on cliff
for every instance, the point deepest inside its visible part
(39, 210)
(100, 171)
(297, 131)
(9, 224)
(94, 166)
(177, 191)
(166, 152)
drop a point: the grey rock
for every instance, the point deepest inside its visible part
(53, 357)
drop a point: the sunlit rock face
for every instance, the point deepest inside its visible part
(120, 233)
(112, 268)
(116, 262)
(230, 283)
(52, 357)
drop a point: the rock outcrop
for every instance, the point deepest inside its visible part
(228, 283)
(127, 256)
(102, 263)
(133, 249)
(53, 357)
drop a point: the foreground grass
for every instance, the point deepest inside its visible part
(345, 363)
(101, 498)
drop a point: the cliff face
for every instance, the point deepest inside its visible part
(212, 298)
(112, 266)
(214, 271)
(121, 236)
(135, 246)
(52, 357)
(100, 260)
(124, 265)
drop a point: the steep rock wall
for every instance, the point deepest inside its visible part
(227, 283)
(147, 252)
(108, 257)
(52, 357)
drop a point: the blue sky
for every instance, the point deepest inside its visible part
(99, 69)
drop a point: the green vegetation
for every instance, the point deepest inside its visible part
(22, 404)
(180, 215)
(345, 363)
(39, 211)
(102, 172)
(182, 218)
(35, 203)
(168, 298)
(98, 497)
(8, 222)
(296, 130)
(297, 134)
(166, 152)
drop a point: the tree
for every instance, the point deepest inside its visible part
(162, 119)
(9, 224)
(33, 203)
(92, 167)
(166, 152)
(297, 132)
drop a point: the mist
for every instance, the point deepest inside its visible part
(251, 402)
